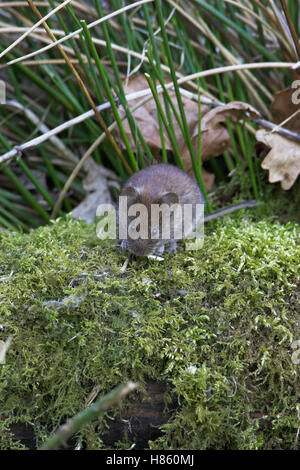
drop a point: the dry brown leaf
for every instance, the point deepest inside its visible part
(215, 138)
(283, 160)
(235, 111)
(283, 107)
(146, 116)
(214, 141)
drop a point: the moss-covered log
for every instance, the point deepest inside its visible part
(215, 326)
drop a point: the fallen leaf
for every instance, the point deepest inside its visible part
(283, 160)
(146, 116)
(97, 184)
(235, 111)
(284, 106)
(215, 138)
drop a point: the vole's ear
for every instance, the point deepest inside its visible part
(168, 198)
(132, 195)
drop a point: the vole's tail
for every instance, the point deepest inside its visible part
(227, 210)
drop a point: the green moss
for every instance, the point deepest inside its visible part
(216, 325)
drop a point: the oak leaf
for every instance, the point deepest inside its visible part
(215, 138)
(286, 103)
(283, 159)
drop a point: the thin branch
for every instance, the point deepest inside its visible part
(17, 150)
(81, 419)
(279, 130)
(40, 126)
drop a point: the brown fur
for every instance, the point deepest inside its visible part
(158, 184)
